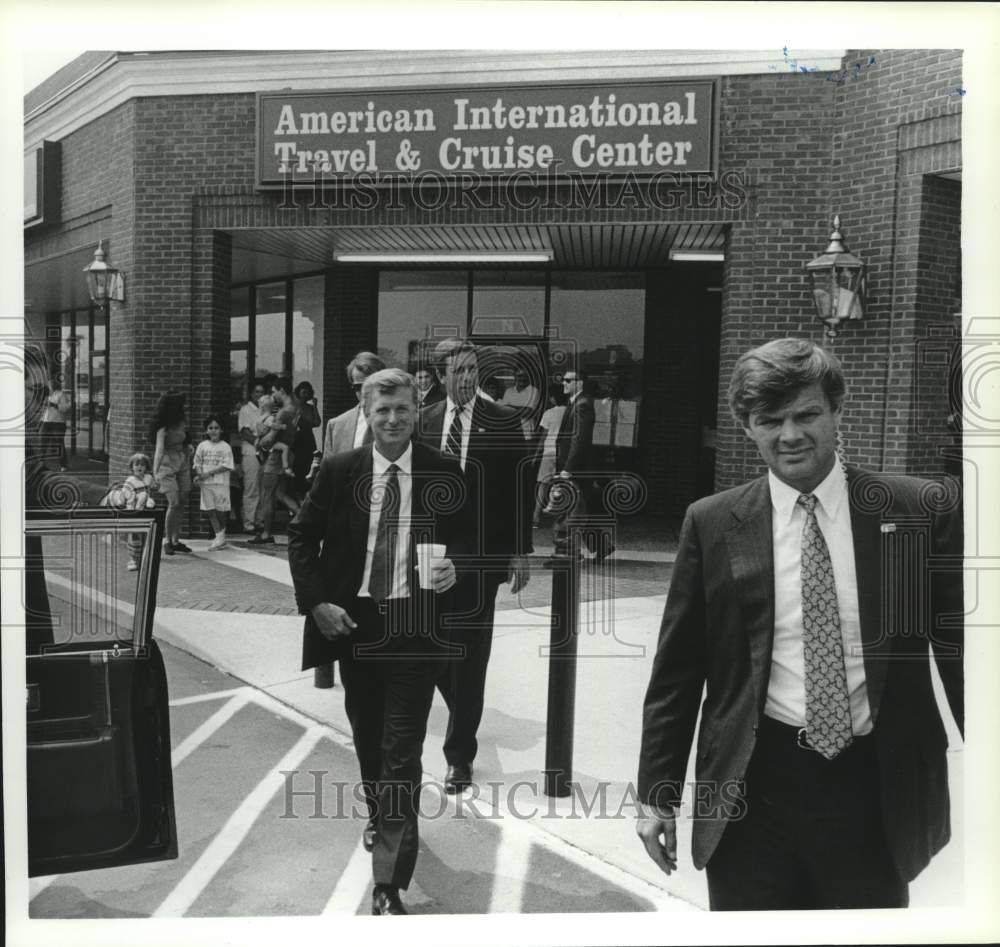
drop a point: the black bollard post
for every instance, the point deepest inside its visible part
(562, 677)
(323, 676)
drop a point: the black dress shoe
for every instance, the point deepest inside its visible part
(385, 900)
(606, 550)
(458, 777)
(368, 836)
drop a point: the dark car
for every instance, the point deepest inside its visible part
(99, 779)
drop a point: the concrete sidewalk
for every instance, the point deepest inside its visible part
(617, 638)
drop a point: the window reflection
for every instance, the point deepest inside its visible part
(269, 326)
(508, 302)
(417, 308)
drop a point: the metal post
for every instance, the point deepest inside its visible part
(562, 677)
(323, 676)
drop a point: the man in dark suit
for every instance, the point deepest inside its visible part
(349, 429)
(488, 440)
(575, 466)
(801, 605)
(429, 390)
(352, 551)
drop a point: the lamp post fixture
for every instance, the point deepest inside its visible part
(838, 283)
(103, 280)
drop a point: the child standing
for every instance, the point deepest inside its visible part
(213, 461)
(136, 495)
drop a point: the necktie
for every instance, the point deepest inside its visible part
(386, 538)
(454, 443)
(828, 709)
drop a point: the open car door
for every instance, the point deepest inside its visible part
(99, 779)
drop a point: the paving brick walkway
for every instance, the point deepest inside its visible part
(197, 582)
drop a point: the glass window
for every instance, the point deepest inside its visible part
(307, 333)
(239, 319)
(508, 302)
(100, 330)
(416, 309)
(582, 309)
(237, 376)
(270, 329)
(98, 403)
(82, 372)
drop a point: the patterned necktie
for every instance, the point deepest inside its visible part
(386, 538)
(828, 709)
(454, 443)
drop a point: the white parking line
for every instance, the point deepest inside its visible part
(354, 883)
(235, 830)
(228, 710)
(202, 698)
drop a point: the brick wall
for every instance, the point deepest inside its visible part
(176, 170)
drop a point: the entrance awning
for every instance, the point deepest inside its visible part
(591, 246)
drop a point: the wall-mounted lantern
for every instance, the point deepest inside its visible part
(103, 280)
(838, 283)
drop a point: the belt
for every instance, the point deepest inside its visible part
(799, 735)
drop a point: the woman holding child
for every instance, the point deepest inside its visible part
(278, 428)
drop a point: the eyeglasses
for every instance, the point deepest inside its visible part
(567, 378)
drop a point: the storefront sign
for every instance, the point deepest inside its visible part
(640, 129)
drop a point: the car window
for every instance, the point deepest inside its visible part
(80, 593)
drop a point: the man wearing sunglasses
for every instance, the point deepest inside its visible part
(350, 430)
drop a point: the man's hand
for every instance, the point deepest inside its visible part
(652, 823)
(519, 574)
(442, 575)
(332, 620)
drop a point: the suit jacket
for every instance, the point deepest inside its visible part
(339, 435)
(718, 630)
(327, 540)
(499, 475)
(434, 394)
(574, 443)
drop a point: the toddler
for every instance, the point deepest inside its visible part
(213, 462)
(134, 494)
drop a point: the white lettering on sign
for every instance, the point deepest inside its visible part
(295, 160)
(599, 113)
(367, 121)
(628, 154)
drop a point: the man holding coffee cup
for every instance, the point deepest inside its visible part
(371, 555)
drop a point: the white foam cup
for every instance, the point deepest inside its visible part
(427, 555)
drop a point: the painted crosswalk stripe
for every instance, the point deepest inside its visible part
(204, 698)
(353, 884)
(229, 709)
(235, 830)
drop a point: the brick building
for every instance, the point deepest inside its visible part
(654, 274)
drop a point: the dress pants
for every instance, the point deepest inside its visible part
(812, 835)
(579, 526)
(251, 487)
(462, 680)
(388, 689)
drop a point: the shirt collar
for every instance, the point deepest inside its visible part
(830, 494)
(381, 464)
(466, 411)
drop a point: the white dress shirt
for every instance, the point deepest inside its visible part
(465, 415)
(786, 693)
(360, 428)
(249, 417)
(380, 473)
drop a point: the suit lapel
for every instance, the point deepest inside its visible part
(867, 535)
(358, 489)
(751, 558)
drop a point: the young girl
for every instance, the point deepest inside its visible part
(213, 461)
(134, 494)
(172, 464)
